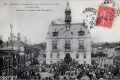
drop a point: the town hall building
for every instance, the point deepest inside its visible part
(68, 41)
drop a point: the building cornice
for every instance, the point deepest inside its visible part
(68, 37)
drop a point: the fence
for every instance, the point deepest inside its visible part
(8, 77)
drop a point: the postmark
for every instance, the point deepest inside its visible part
(106, 16)
(113, 4)
(89, 17)
(103, 16)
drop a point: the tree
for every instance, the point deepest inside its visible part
(106, 44)
(1, 42)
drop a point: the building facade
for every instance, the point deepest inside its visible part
(13, 56)
(68, 41)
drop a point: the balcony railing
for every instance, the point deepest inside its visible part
(55, 50)
(68, 50)
(81, 50)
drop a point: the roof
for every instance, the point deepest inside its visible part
(72, 32)
(37, 46)
(26, 45)
(117, 48)
(93, 45)
(110, 47)
(15, 43)
(117, 45)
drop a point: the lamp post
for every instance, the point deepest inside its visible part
(22, 54)
(15, 58)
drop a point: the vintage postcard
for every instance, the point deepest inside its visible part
(59, 39)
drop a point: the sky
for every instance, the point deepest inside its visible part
(35, 24)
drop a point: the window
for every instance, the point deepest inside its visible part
(19, 49)
(80, 33)
(58, 55)
(84, 55)
(51, 55)
(81, 45)
(84, 62)
(50, 62)
(77, 55)
(67, 45)
(55, 33)
(54, 45)
(81, 42)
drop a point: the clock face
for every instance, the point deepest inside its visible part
(67, 16)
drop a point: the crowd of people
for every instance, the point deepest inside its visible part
(31, 72)
(72, 71)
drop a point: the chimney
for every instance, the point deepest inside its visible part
(1, 37)
(18, 37)
(8, 39)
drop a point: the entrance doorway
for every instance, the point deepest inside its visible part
(67, 58)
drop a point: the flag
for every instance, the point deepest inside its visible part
(11, 26)
(61, 20)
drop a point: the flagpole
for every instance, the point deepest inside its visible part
(11, 26)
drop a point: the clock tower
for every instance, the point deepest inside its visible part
(67, 17)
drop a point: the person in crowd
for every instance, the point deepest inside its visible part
(93, 71)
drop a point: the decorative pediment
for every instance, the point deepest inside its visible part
(55, 33)
(81, 33)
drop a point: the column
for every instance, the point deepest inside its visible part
(24, 60)
(9, 67)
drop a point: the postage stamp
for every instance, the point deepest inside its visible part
(105, 16)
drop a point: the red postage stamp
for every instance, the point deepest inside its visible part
(105, 16)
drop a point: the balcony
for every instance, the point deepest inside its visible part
(67, 50)
(55, 50)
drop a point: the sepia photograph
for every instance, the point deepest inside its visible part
(59, 40)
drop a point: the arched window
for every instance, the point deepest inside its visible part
(58, 55)
(50, 62)
(67, 45)
(84, 55)
(51, 55)
(84, 62)
(77, 55)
